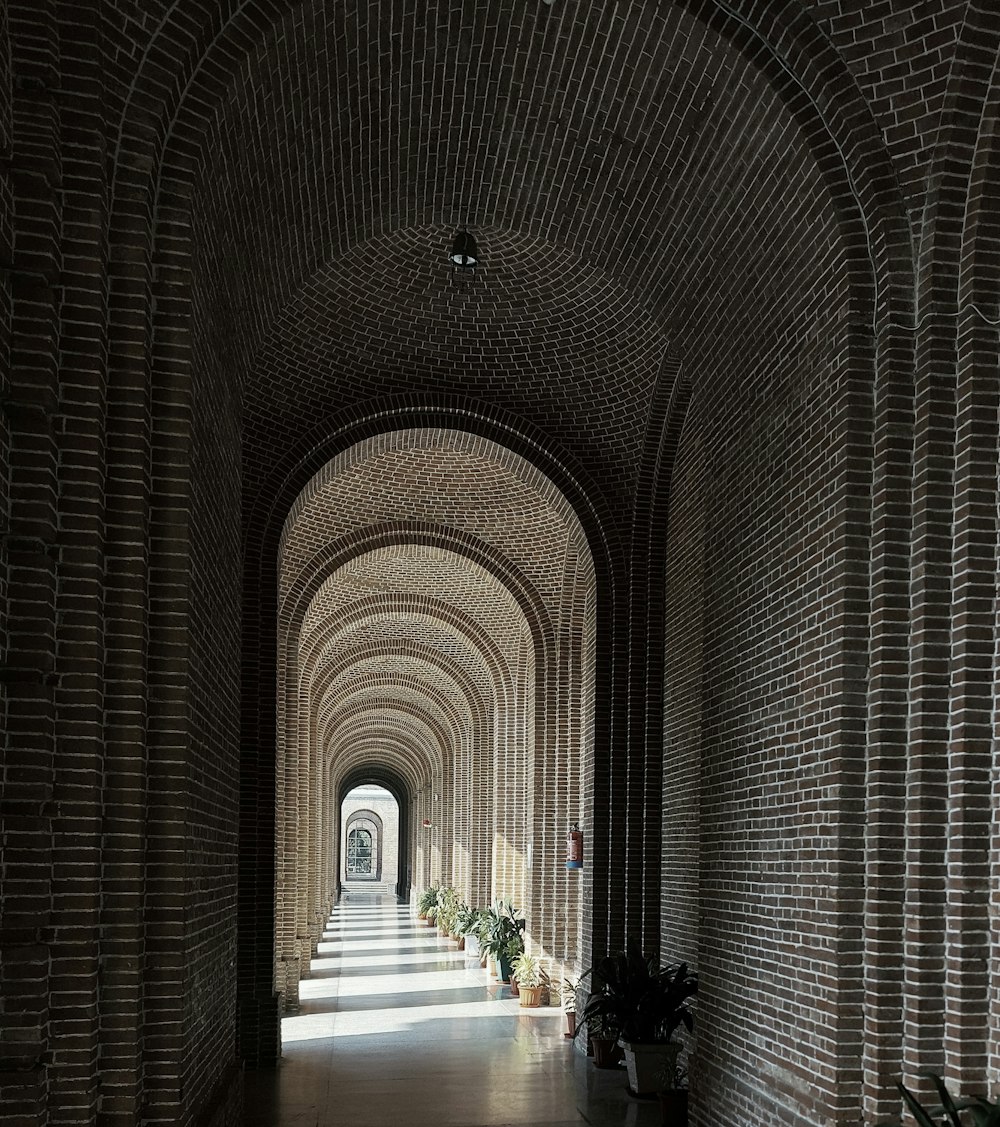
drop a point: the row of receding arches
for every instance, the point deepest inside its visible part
(436, 635)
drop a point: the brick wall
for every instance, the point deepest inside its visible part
(702, 550)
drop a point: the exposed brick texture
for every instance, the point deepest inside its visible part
(451, 649)
(677, 516)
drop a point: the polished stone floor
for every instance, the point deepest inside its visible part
(394, 1031)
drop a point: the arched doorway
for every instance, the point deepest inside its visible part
(438, 622)
(369, 838)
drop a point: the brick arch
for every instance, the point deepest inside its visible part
(373, 759)
(783, 42)
(463, 818)
(467, 549)
(406, 739)
(480, 643)
(366, 724)
(357, 709)
(292, 473)
(410, 677)
(395, 755)
(494, 695)
(332, 685)
(786, 29)
(451, 622)
(485, 710)
(319, 657)
(461, 443)
(480, 712)
(325, 565)
(397, 786)
(387, 762)
(480, 696)
(366, 540)
(398, 607)
(350, 550)
(299, 838)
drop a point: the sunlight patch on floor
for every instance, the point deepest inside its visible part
(328, 959)
(374, 984)
(308, 1027)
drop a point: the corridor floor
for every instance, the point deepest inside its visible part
(393, 1030)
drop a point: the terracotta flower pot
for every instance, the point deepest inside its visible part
(607, 1052)
(531, 996)
(570, 1016)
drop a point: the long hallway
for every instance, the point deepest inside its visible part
(393, 1029)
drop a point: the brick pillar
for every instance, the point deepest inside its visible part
(30, 281)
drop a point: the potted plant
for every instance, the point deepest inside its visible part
(466, 920)
(569, 989)
(981, 1111)
(603, 1038)
(425, 901)
(461, 911)
(480, 932)
(506, 959)
(503, 927)
(448, 904)
(673, 1094)
(527, 972)
(646, 1004)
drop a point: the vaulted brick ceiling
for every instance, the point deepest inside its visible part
(635, 184)
(414, 629)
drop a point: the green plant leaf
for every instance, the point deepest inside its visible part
(917, 1109)
(947, 1103)
(984, 1113)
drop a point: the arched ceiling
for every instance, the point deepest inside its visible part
(437, 480)
(429, 572)
(637, 184)
(412, 653)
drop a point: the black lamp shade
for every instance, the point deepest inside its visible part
(464, 252)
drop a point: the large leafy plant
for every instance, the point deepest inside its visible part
(568, 989)
(638, 1001)
(528, 971)
(503, 929)
(427, 899)
(448, 906)
(466, 920)
(981, 1111)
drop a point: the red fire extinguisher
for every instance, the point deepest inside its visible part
(574, 848)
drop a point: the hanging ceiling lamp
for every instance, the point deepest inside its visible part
(464, 252)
